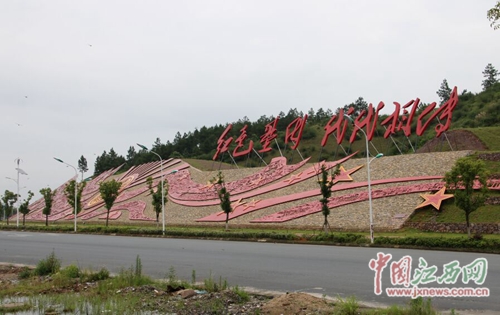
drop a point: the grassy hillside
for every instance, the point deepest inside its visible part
(490, 136)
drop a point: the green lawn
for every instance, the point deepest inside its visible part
(451, 214)
(490, 136)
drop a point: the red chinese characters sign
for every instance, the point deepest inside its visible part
(400, 120)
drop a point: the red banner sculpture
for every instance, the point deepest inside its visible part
(337, 125)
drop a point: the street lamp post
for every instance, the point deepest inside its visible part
(76, 186)
(368, 171)
(162, 190)
(19, 171)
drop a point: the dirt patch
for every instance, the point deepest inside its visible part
(297, 303)
(10, 273)
(458, 139)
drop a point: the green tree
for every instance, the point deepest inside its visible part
(69, 192)
(490, 76)
(157, 195)
(493, 16)
(82, 165)
(24, 207)
(359, 105)
(48, 196)
(109, 192)
(224, 196)
(444, 92)
(107, 161)
(326, 183)
(461, 179)
(8, 199)
(131, 153)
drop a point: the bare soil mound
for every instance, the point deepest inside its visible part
(458, 139)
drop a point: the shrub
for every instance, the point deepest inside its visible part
(347, 306)
(212, 286)
(102, 274)
(25, 273)
(72, 272)
(172, 280)
(419, 306)
(347, 238)
(48, 266)
(477, 236)
(243, 296)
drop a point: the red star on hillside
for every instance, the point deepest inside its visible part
(345, 176)
(434, 199)
(209, 185)
(236, 204)
(317, 168)
(252, 204)
(257, 181)
(294, 178)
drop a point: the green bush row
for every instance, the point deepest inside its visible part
(347, 238)
(437, 242)
(458, 243)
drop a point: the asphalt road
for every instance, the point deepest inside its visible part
(330, 270)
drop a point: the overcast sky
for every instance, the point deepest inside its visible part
(80, 77)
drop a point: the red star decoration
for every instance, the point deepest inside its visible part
(236, 204)
(293, 178)
(318, 169)
(256, 181)
(345, 176)
(251, 204)
(434, 199)
(207, 186)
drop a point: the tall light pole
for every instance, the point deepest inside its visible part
(76, 185)
(368, 171)
(162, 190)
(19, 171)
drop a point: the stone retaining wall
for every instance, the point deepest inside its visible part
(388, 213)
(490, 156)
(494, 201)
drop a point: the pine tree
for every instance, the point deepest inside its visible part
(490, 76)
(82, 165)
(444, 92)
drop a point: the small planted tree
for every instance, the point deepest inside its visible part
(461, 179)
(48, 196)
(326, 183)
(8, 199)
(69, 192)
(109, 192)
(156, 196)
(224, 196)
(24, 207)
